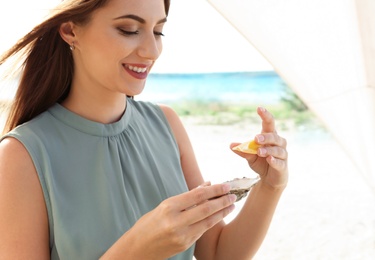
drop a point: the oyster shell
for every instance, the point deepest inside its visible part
(241, 186)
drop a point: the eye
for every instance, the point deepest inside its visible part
(127, 33)
(159, 34)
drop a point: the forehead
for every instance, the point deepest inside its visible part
(149, 9)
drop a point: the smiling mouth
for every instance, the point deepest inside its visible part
(136, 69)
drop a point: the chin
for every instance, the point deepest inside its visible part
(134, 92)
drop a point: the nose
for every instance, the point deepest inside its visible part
(150, 47)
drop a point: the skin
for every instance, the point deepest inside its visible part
(100, 84)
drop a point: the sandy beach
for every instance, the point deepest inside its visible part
(326, 212)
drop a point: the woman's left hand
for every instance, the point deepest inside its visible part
(271, 160)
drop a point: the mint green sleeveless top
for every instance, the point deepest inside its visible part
(99, 179)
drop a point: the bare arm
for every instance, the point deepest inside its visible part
(241, 238)
(206, 245)
(23, 217)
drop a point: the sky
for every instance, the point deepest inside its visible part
(198, 38)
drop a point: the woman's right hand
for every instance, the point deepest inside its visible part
(178, 222)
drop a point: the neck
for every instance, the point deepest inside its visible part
(103, 109)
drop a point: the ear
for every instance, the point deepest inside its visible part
(67, 33)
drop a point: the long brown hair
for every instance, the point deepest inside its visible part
(47, 69)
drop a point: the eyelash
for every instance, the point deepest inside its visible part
(129, 33)
(159, 33)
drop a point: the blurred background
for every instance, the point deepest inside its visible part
(310, 64)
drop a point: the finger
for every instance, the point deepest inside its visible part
(204, 184)
(199, 195)
(268, 122)
(205, 224)
(274, 151)
(270, 139)
(278, 164)
(209, 208)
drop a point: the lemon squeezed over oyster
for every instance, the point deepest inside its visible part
(247, 147)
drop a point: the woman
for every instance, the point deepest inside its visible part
(86, 172)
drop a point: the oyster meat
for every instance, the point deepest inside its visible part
(241, 186)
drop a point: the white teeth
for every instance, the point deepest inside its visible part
(137, 69)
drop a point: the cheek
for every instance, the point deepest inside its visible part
(100, 46)
(161, 48)
(93, 51)
(102, 57)
(160, 45)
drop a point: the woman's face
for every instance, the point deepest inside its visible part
(120, 44)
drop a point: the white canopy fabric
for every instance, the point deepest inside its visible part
(325, 51)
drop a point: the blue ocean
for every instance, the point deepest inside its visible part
(251, 87)
(240, 87)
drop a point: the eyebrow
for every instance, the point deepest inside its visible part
(139, 19)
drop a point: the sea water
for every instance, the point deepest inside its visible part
(253, 87)
(250, 87)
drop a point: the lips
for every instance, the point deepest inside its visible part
(137, 71)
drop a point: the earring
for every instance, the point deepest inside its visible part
(72, 48)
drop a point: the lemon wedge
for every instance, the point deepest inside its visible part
(247, 147)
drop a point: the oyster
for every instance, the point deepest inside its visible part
(241, 186)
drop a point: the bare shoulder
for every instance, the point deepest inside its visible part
(23, 218)
(175, 123)
(169, 113)
(10, 147)
(14, 158)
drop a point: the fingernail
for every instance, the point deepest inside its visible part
(260, 138)
(262, 109)
(262, 151)
(232, 198)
